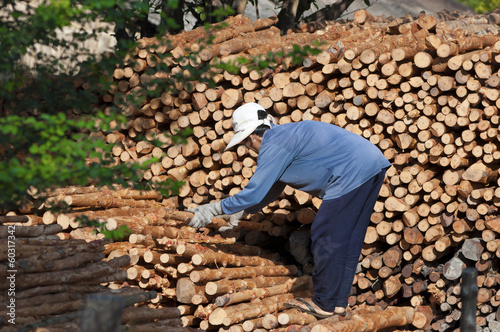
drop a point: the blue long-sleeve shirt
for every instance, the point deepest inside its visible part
(322, 159)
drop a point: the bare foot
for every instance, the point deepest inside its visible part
(338, 310)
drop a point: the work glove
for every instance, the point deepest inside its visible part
(203, 214)
(232, 220)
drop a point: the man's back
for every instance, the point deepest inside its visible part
(322, 157)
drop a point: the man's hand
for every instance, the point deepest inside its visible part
(232, 220)
(203, 214)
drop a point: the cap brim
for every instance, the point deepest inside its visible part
(240, 136)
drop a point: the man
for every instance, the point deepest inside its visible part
(342, 168)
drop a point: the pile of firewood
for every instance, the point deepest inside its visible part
(425, 90)
(48, 281)
(184, 278)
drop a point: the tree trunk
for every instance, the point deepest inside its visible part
(330, 12)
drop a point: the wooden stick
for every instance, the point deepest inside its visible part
(232, 273)
(241, 296)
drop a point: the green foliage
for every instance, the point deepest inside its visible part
(50, 123)
(205, 13)
(482, 6)
(116, 234)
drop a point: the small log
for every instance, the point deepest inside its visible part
(185, 290)
(391, 286)
(295, 317)
(224, 259)
(92, 270)
(251, 271)
(76, 260)
(229, 286)
(479, 172)
(423, 317)
(240, 312)
(172, 324)
(24, 219)
(107, 201)
(252, 324)
(292, 285)
(53, 309)
(493, 224)
(29, 231)
(472, 249)
(392, 257)
(452, 270)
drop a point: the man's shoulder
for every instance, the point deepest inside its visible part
(303, 129)
(303, 124)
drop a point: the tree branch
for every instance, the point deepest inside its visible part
(330, 13)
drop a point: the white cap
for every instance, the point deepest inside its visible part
(245, 121)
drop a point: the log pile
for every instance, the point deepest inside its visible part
(424, 89)
(46, 281)
(185, 279)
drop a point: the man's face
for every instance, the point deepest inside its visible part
(252, 142)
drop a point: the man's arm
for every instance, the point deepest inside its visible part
(264, 186)
(272, 195)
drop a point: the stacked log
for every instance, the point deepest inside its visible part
(198, 280)
(161, 256)
(423, 89)
(200, 271)
(47, 280)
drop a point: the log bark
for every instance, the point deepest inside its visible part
(232, 273)
(390, 317)
(94, 270)
(30, 231)
(229, 286)
(295, 317)
(224, 259)
(292, 285)
(240, 312)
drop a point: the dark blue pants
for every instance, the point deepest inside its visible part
(337, 234)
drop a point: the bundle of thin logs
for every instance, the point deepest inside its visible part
(204, 281)
(47, 278)
(423, 89)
